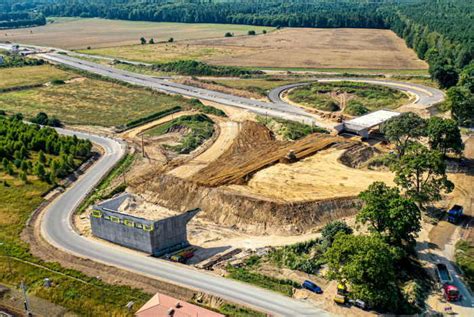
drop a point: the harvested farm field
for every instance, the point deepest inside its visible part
(97, 33)
(290, 48)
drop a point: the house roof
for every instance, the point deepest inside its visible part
(165, 306)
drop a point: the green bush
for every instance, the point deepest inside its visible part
(304, 256)
(196, 68)
(465, 260)
(57, 82)
(289, 130)
(200, 126)
(284, 287)
(151, 117)
(356, 109)
(198, 105)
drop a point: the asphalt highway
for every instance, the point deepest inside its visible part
(283, 111)
(57, 229)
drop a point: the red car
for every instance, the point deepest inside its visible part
(451, 293)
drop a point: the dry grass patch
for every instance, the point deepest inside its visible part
(319, 48)
(105, 33)
(160, 53)
(289, 48)
(89, 102)
(31, 75)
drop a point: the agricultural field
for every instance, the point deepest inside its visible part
(98, 33)
(31, 75)
(331, 49)
(89, 102)
(351, 97)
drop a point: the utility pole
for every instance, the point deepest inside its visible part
(26, 302)
(143, 147)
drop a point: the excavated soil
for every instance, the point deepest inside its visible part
(249, 213)
(256, 148)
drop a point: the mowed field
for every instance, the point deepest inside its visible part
(292, 48)
(27, 76)
(77, 33)
(83, 101)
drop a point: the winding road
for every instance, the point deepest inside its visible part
(57, 229)
(425, 96)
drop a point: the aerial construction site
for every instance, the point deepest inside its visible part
(260, 171)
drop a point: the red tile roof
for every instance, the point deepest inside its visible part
(165, 306)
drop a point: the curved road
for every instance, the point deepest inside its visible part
(56, 225)
(425, 96)
(57, 229)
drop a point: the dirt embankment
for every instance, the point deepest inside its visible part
(251, 214)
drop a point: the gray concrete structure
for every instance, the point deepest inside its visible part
(156, 237)
(363, 124)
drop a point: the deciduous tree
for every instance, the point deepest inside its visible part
(366, 264)
(444, 135)
(394, 217)
(404, 129)
(421, 172)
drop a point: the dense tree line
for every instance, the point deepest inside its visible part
(292, 13)
(440, 32)
(15, 14)
(28, 149)
(14, 60)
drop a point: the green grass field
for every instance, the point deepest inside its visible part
(89, 102)
(360, 98)
(73, 290)
(199, 128)
(31, 75)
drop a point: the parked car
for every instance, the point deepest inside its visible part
(455, 214)
(312, 287)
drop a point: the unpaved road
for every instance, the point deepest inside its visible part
(228, 132)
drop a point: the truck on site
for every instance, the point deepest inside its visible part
(450, 292)
(455, 214)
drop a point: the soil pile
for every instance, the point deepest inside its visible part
(256, 148)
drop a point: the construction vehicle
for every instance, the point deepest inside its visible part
(182, 256)
(455, 214)
(341, 289)
(340, 299)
